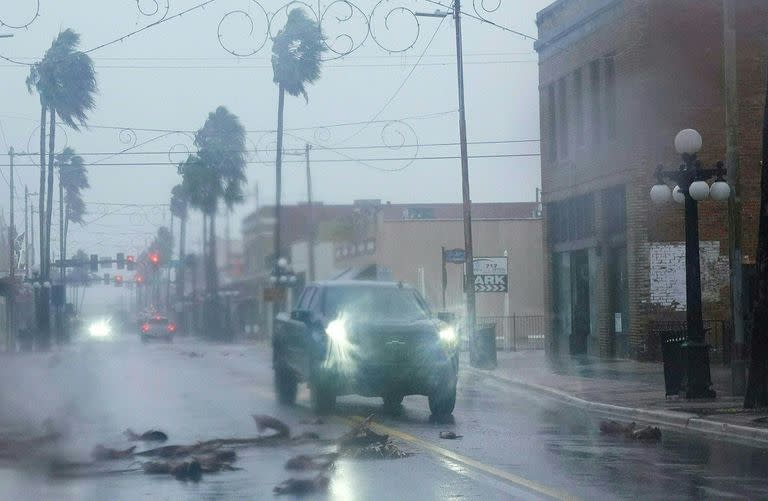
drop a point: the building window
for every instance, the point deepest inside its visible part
(610, 97)
(615, 210)
(578, 107)
(562, 118)
(552, 133)
(594, 105)
(572, 219)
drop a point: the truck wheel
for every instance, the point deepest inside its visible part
(443, 400)
(285, 385)
(392, 403)
(323, 397)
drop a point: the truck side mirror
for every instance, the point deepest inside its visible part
(303, 316)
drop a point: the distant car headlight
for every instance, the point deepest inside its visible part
(337, 331)
(448, 335)
(100, 328)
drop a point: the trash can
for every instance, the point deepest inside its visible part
(484, 347)
(672, 355)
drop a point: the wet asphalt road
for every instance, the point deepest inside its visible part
(514, 446)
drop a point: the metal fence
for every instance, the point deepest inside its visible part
(718, 335)
(517, 332)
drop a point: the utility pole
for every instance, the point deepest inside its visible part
(26, 233)
(62, 268)
(311, 239)
(469, 285)
(11, 266)
(738, 366)
(466, 200)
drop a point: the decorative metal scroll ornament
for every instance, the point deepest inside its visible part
(127, 137)
(178, 153)
(391, 24)
(62, 141)
(4, 23)
(152, 8)
(484, 7)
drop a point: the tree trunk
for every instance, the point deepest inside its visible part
(277, 305)
(39, 309)
(278, 176)
(214, 275)
(182, 259)
(757, 386)
(49, 194)
(41, 190)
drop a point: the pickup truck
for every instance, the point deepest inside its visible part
(376, 339)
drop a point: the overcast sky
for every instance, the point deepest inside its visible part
(171, 76)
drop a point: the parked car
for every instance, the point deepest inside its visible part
(157, 327)
(377, 339)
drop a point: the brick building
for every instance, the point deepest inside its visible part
(618, 80)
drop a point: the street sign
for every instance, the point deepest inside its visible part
(457, 256)
(490, 274)
(274, 294)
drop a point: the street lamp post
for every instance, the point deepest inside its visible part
(692, 188)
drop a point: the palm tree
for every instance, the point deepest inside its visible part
(66, 83)
(179, 210)
(221, 150)
(216, 173)
(296, 59)
(73, 178)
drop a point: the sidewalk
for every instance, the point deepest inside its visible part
(631, 390)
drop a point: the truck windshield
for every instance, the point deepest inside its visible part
(375, 302)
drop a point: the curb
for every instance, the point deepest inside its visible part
(670, 419)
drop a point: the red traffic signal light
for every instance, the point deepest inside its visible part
(118, 280)
(130, 262)
(154, 258)
(139, 279)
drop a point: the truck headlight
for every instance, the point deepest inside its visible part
(337, 331)
(448, 335)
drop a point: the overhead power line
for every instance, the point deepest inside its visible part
(484, 20)
(262, 131)
(342, 160)
(271, 150)
(269, 66)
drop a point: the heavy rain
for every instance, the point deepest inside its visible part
(383, 249)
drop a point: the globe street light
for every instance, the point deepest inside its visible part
(692, 188)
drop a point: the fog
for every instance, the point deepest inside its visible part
(170, 76)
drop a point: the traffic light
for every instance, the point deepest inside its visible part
(106, 279)
(118, 280)
(94, 263)
(120, 260)
(154, 258)
(139, 279)
(130, 262)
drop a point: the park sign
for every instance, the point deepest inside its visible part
(490, 274)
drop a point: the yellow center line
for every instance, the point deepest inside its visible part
(517, 480)
(459, 458)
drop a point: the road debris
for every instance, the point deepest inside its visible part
(302, 486)
(363, 443)
(649, 433)
(13, 448)
(312, 461)
(185, 470)
(449, 435)
(270, 423)
(147, 436)
(191, 354)
(101, 453)
(615, 428)
(630, 430)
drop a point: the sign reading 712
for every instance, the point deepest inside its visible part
(490, 274)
